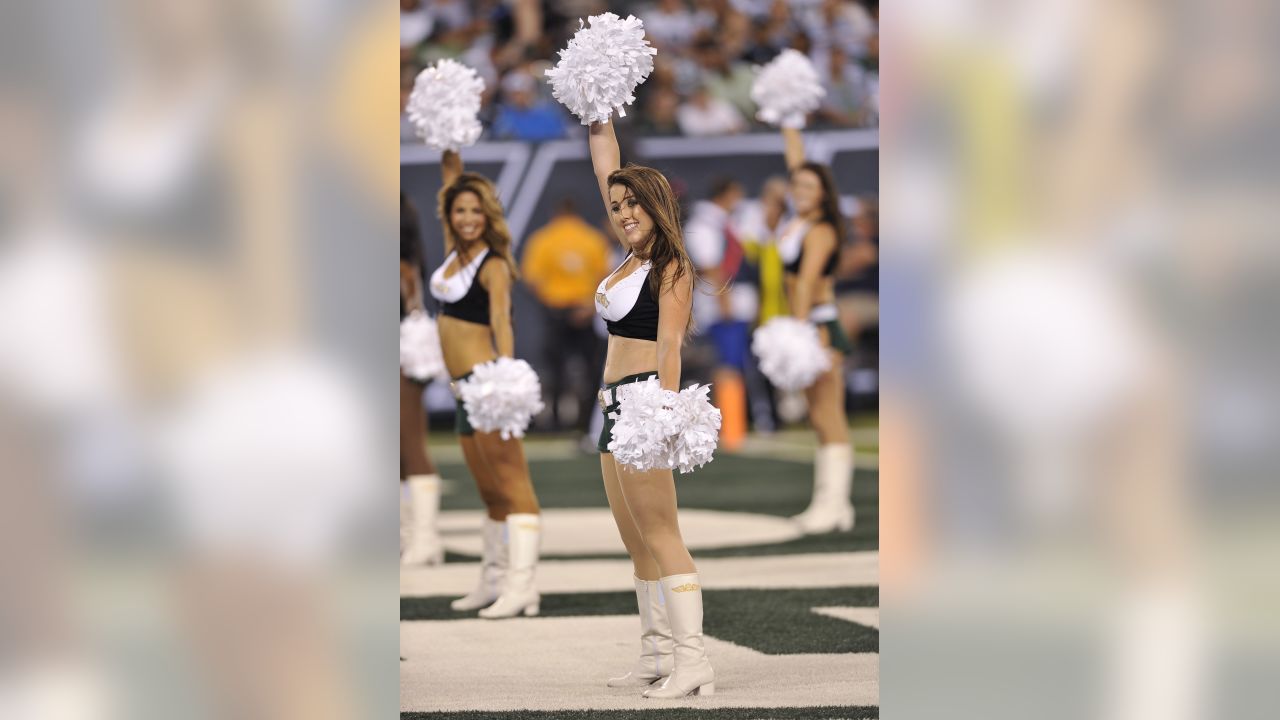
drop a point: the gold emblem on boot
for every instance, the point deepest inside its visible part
(687, 587)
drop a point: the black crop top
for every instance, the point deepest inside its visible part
(641, 322)
(474, 306)
(828, 269)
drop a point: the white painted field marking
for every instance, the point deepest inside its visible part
(562, 663)
(582, 531)
(815, 570)
(860, 615)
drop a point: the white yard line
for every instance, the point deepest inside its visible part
(562, 664)
(860, 615)
(590, 531)
(565, 576)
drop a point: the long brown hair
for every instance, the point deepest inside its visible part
(830, 199)
(655, 195)
(496, 235)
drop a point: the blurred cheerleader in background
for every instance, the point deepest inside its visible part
(810, 249)
(473, 286)
(420, 541)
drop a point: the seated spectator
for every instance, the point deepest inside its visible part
(658, 116)
(408, 74)
(523, 115)
(705, 115)
(416, 25)
(727, 81)
(841, 23)
(848, 102)
(670, 25)
(858, 272)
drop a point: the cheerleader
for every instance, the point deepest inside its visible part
(421, 542)
(809, 246)
(473, 286)
(646, 304)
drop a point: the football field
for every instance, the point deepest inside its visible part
(791, 622)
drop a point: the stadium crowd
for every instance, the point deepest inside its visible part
(701, 81)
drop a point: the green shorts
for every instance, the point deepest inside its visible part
(839, 340)
(461, 422)
(609, 404)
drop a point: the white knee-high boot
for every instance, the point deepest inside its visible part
(519, 592)
(422, 544)
(493, 568)
(693, 674)
(656, 645)
(830, 508)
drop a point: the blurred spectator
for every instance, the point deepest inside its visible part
(523, 115)
(727, 81)
(726, 313)
(671, 26)
(858, 274)
(408, 73)
(700, 42)
(416, 25)
(659, 116)
(704, 115)
(767, 40)
(758, 223)
(563, 263)
(849, 101)
(756, 9)
(841, 23)
(453, 21)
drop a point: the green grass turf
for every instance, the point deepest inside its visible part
(774, 622)
(831, 712)
(730, 483)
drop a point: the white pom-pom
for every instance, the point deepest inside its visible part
(790, 352)
(502, 395)
(657, 429)
(787, 89)
(699, 423)
(602, 66)
(444, 104)
(644, 425)
(420, 355)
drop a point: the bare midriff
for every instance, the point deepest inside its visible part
(465, 344)
(826, 291)
(629, 356)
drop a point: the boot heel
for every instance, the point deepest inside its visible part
(532, 610)
(846, 523)
(708, 689)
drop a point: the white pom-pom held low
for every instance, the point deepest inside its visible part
(601, 68)
(790, 352)
(420, 354)
(501, 396)
(659, 429)
(444, 104)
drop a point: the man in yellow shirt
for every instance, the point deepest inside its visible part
(563, 263)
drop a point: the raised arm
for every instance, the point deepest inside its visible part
(794, 147)
(450, 166)
(605, 156)
(675, 302)
(410, 286)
